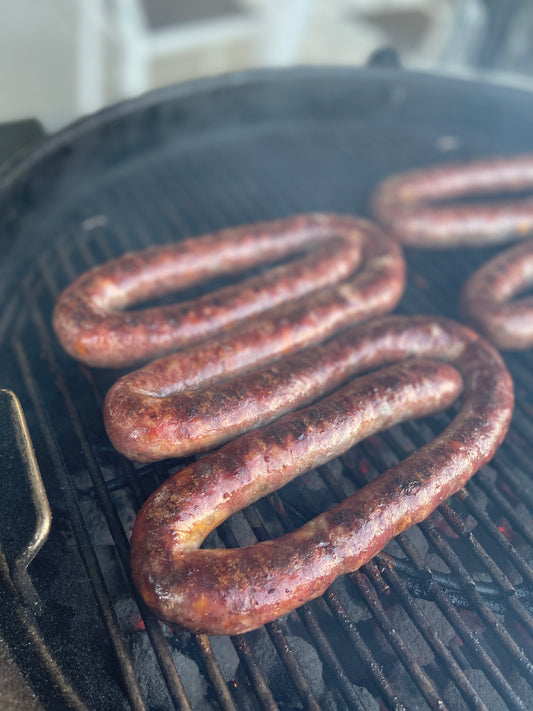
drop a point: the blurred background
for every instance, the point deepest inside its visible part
(61, 59)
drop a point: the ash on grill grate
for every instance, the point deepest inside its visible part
(152, 683)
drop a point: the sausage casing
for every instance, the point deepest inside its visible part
(487, 298)
(407, 203)
(221, 591)
(93, 326)
(171, 407)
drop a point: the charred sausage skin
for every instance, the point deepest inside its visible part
(230, 591)
(159, 411)
(487, 298)
(406, 204)
(93, 326)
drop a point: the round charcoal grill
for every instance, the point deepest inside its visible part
(442, 618)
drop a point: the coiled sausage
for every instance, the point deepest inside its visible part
(92, 325)
(405, 204)
(487, 298)
(221, 591)
(167, 409)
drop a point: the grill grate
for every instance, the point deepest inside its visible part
(441, 619)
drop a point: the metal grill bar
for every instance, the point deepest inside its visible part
(518, 561)
(490, 668)
(477, 601)
(478, 604)
(422, 680)
(501, 579)
(257, 680)
(512, 455)
(360, 579)
(274, 629)
(153, 629)
(349, 627)
(329, 656)
(212, 668)
(82, 536)
(364, 653)
(160, 647)
(261, 688)
(468, 692)
(426, 687)
(292, 665)
(214, 673)
(309, 618)
(509, 512)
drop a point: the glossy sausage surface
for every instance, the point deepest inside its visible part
(320, 290)
(408, 203)
(488, 303)
(171, 407)
(410, 206)
(221, 591)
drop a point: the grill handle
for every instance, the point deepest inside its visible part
(25, 505)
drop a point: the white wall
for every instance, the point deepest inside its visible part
(60, 59)
(37, 60)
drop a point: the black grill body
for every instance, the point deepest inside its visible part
(442, 619)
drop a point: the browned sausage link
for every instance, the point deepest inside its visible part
(230, 591)
(92, 326)
(182, 404)
(486, 298)
(170, 408)
(142, 411)
(405, 203)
